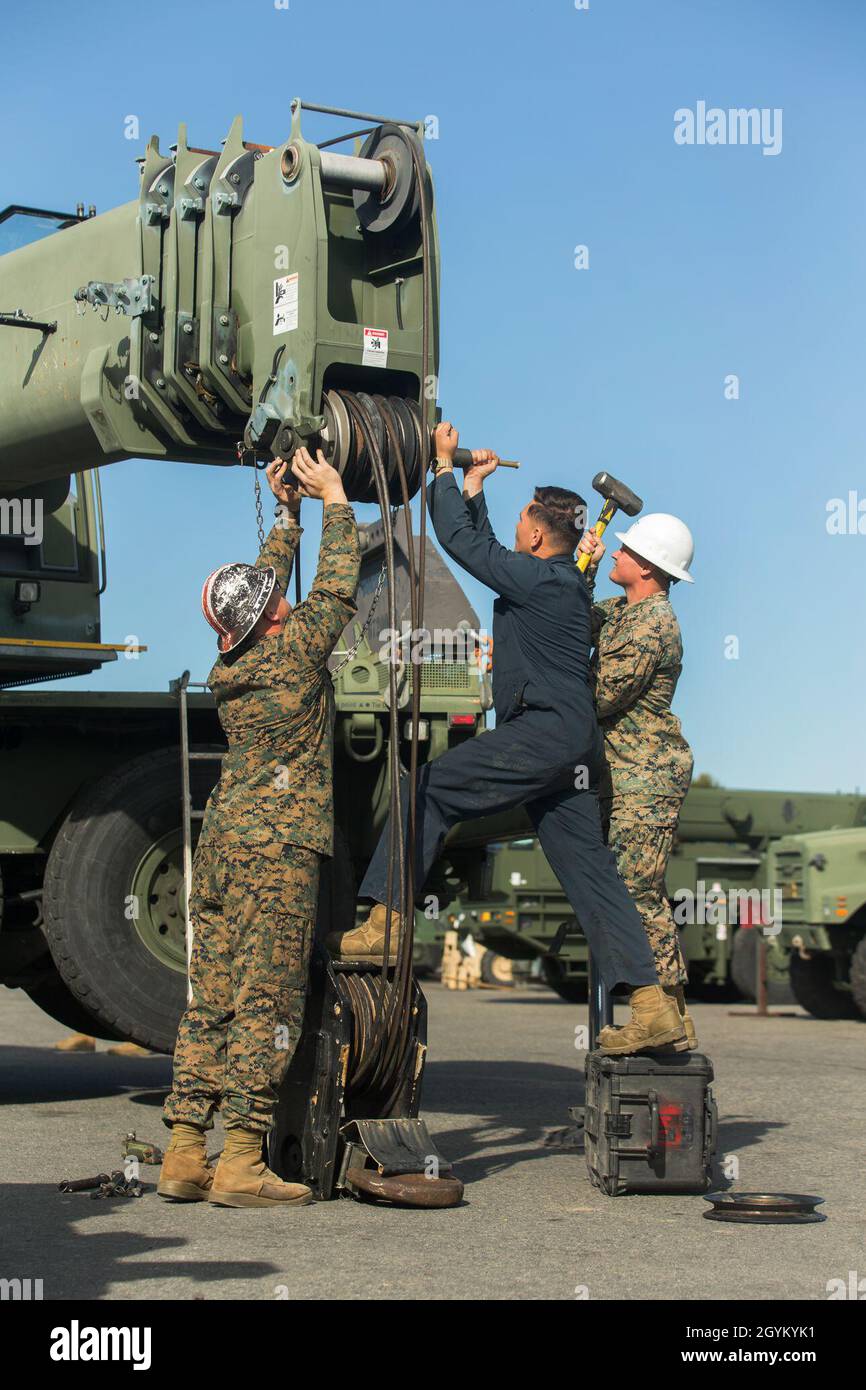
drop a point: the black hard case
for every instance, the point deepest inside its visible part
(650, 1122)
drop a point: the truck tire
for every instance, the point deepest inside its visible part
(572, 990)
(45, 987)
(55, 999)
(129, 973)
(812, 984)
(744, 970)
(121, 837)
(496, 970)
(858, 976)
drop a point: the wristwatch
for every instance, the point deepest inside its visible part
(442, 466)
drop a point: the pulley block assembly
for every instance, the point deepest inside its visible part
(400, 437)
(231, 302)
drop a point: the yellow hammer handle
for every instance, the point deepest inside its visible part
(599, 528)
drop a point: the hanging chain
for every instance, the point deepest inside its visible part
(352, 652)
(260, 520)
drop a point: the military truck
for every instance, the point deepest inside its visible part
(821, 879)
(722, 876)
(91, 921)
(249, 299)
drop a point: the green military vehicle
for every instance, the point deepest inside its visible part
(248, 299)
(821, 879)
(91, 832)
(720, 879)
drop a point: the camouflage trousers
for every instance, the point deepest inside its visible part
(253, 914)
(642, 849)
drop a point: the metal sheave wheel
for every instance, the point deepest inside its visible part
(764, 1208)
(337, 433)
(354, 423)
(389, 213)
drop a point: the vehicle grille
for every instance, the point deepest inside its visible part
(438, 676)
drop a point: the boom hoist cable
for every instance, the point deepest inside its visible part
(352, 1093)
(384, 1021)
(394, 1037)
(381, 446)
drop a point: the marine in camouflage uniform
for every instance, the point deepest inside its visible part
(268, 823)
(637, 663)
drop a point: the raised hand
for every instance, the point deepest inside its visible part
(316, 476)
(284, 491)
(484, 462)
(590, 544)
(445, 440)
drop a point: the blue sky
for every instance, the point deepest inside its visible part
(555, 130)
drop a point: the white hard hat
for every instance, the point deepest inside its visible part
(664, 541)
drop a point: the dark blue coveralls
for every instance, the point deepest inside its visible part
(546, 738)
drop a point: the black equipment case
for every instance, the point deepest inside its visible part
(650, 1122)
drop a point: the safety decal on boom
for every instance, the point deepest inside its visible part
(375, 347)
(285, 303)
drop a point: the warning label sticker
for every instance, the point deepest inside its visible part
(286, 303)
(375, 347)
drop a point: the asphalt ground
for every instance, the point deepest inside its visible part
(503, 1070)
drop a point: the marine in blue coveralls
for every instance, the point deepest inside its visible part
(546, 749)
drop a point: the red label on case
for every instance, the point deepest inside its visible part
(677, 1126)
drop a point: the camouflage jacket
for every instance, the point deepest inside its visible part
(636, 664)
(275, 701)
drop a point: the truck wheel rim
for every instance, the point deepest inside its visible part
(156, 885)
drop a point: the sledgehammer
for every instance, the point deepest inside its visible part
(617, 498)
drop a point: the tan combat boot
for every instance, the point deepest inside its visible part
(243, 1179)
(367, 942)
(690, 1042)
(185, 1175)
(655, 1022)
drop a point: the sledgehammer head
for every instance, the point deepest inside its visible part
(612, 490)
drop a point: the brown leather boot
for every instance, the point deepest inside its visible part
(655, 1022)
(185, 1175)
(367, 942)
(243, 1179)
(690, 1041)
